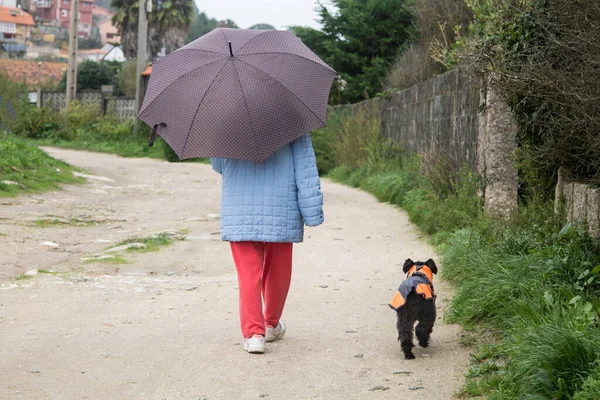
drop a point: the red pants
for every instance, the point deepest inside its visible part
(263, 269)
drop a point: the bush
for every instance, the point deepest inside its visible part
(127, 78)
(35, 123)
(91, 76)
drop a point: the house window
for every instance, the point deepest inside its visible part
(86, 26)
(110, 35)
(65, 1)
(64, 13)
(8, 27)
(85, 5)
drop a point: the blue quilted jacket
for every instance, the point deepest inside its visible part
(271, 201)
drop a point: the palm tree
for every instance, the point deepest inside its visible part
(126, 22)
(172, 22)
(168, 24)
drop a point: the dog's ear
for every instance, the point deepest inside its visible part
(431, 266)
(407, 265)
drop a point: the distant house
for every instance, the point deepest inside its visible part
(8, 3)
(108, 32)
(107, 53)
(60, 12)
(101, 11)
(15, 29)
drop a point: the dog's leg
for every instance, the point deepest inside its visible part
(405, 334)
(425, 327)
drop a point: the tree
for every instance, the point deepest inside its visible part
(126, 22)
(263, 27)
(203, 24)
(168, 24)
(90, 76)
(360, 41)
(172, 20)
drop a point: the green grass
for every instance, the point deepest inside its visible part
(23, 277)
(50, 223)
(32, 169)
(116, 259)
(154, 243)
(127, 145)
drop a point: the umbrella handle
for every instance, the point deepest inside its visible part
(154, 130)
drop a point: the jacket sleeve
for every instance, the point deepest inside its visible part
(217, 164)
(308, 184)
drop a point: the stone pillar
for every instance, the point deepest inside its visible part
(593, 212)
(499, 144)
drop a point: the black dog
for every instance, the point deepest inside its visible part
(415, 301)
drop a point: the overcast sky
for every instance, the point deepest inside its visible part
(279, 13)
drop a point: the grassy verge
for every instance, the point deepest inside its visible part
(531, 283)
(26, 169)
(83, 128)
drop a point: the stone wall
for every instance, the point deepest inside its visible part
(449, 119)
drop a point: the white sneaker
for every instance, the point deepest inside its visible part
(276, 333)
(255, 344)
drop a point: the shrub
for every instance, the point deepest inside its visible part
(127, 78)
(91, 76)
(35, 123)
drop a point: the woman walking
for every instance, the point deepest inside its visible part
(264, 208)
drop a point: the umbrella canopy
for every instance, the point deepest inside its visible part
(237, 93)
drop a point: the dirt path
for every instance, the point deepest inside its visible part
(165, 325)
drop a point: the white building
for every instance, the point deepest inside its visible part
(114, 53)
(8, 3)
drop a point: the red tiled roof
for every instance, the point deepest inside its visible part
(27, 71)
(20, 17)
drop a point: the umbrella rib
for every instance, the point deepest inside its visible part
(285, 87)
(247, 111)
(198, 108)
(326, 66)
(178, 78)
(243, 97)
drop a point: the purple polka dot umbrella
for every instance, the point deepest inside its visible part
(237, 93)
